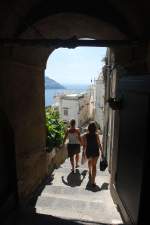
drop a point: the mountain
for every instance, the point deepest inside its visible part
(52, 84)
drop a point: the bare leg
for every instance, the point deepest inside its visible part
(77, 160)
(72, 162)
(90, 168)
(94, 161)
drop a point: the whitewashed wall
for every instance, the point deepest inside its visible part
(99, 104)
(78, 109)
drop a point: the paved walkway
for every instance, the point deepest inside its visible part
(67, 199)
(69, 196)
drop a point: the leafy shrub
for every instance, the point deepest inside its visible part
(55, 129)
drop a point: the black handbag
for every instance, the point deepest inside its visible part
(103, 163)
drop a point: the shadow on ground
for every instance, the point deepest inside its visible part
(74, 179)
(105, 186)
(26, 217)
(97, 188)
(89, 187)
(47, 181)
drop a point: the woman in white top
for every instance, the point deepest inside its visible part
(73, 146)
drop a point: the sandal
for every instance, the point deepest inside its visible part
(73, 170)
(94, 185)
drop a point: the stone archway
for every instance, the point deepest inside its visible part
(22, 87)
(25, 79)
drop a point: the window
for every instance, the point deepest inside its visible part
(65, 111)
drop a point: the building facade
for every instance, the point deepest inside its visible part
(74, 106)
(99, 101)
(91, 92)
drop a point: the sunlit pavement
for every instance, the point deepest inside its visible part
(67, 199)
(70, 196)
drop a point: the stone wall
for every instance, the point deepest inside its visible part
(22, 99)
(55, 158)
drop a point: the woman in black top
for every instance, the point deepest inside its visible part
(91, 148)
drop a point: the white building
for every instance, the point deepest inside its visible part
(74, 106)
(92, 97)
(99, 101)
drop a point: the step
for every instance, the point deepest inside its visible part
(78, 179)
(79, 209)
(96, 195)
(28, 216)
(67, 165)
(67, 169)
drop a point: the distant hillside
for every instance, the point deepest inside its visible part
(52, 84)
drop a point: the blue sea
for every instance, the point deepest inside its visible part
(70, 88)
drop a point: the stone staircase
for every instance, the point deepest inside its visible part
(67, 199)
(69, 196)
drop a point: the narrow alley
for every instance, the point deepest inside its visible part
(69, 196)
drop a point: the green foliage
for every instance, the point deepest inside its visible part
(55, 129)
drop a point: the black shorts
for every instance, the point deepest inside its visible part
(73, 149)
(92, 153)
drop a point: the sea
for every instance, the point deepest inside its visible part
(69, 89)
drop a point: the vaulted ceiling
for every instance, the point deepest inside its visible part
(120, 19)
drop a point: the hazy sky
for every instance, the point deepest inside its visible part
(75, 66)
